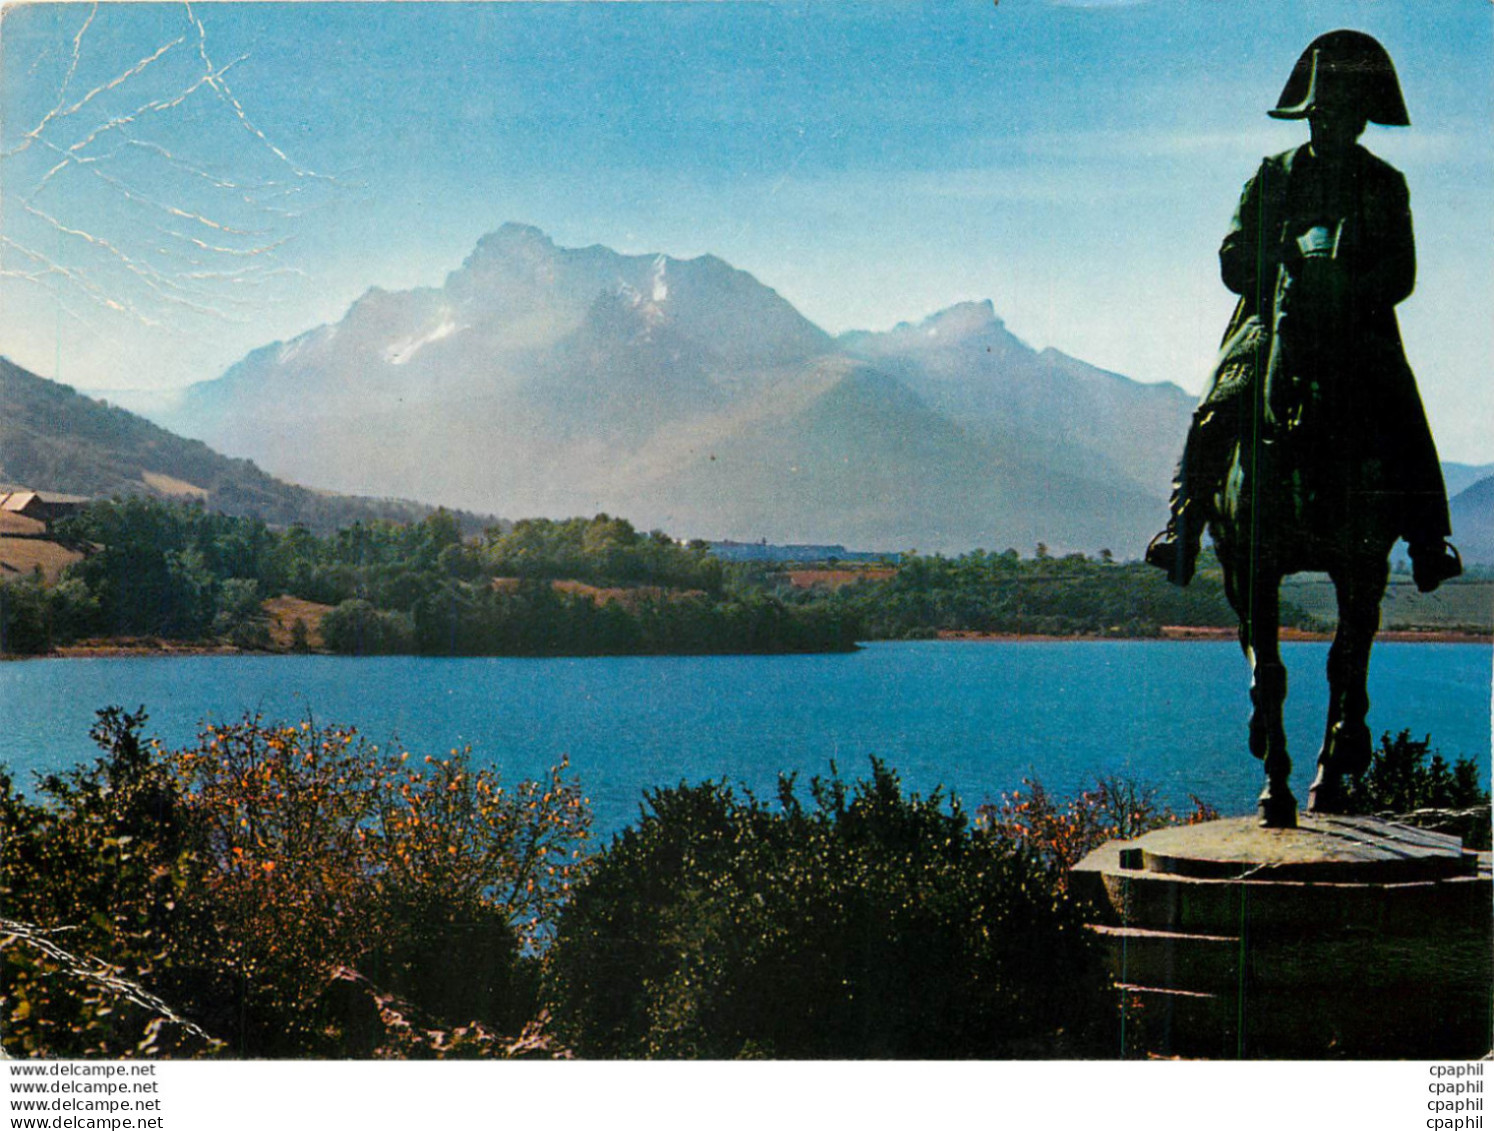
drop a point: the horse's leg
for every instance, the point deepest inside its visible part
(1347, 747)
(1257, 604)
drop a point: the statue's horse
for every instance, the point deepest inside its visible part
(1301, 494)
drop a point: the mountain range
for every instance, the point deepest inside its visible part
(681, 394)
(686, 395)
(1472, 512)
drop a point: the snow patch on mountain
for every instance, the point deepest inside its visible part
(661, 285)
(400, 352)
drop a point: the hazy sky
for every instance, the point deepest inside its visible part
(180, 184)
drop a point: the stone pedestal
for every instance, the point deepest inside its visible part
(1344, 937)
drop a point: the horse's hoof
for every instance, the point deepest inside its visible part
(1277, 809)
(1327, 797)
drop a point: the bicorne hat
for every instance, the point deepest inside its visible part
(1345, 69)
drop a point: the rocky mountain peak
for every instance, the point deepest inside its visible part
(963, 318)
(542, 378)
(965, 325)
(511, 238)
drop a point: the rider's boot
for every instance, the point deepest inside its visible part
(1433, 562)
(1205, 450)
(1175, 550)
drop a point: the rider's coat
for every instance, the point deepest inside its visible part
(1314, 340)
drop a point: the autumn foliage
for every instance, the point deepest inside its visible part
(237, 876)
(1061, 831)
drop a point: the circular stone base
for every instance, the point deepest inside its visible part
(1320, 850)
(1345, 936)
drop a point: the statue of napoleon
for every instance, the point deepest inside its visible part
(1310, 449)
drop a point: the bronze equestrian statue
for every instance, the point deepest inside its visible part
(1310, 450)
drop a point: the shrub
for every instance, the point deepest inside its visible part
(96, 879)
(59, 1003)
(300, 639)
(866, 924)
(236, 878)
(251, 636)
(357, 628)
(1061, 833)
(1406, 775)
(429, 876)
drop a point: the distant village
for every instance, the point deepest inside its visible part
(765, 551)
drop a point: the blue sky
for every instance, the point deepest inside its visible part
(182, 184)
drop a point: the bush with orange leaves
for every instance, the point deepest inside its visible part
(1061, 833)
(429, 876)
(303, 849)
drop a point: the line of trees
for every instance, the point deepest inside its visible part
(179, 572)
(536, 620)
(1044, 595)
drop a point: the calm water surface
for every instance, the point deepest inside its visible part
(973, 717)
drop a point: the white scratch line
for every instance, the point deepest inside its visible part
(72, 69)
(147, 274)
(239, 250)
(196, 171)
(226, 94)
(171, 209)
(79, 277)
(52, 290)
(125, 77)
(155, 106)
(254, 274)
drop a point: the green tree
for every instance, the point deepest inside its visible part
(356, 628)
(865, 924)
(238, 602)
(1406, 774)
(300, 637)
(25, 618)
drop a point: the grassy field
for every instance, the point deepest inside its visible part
(283, 612)
(1466, 605)
(20, 557)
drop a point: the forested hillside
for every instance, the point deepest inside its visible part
(54, 439)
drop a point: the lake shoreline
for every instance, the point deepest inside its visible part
(152, 646)
(146, 647)
(1204, 635)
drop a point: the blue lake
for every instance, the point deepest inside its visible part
(973, 717)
